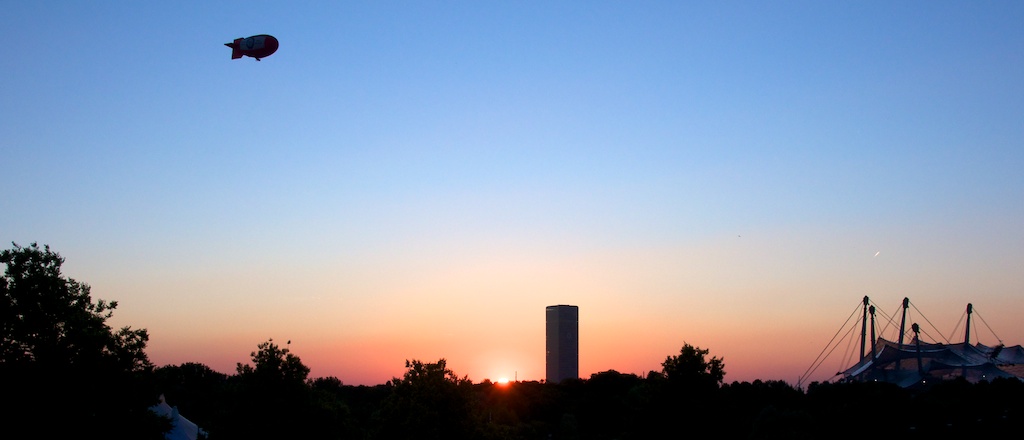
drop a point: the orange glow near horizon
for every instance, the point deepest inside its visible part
(485, 316)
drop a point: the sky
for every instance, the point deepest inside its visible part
(419, 180)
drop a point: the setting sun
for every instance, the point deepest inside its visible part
(503, 381)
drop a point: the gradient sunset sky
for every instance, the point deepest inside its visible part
(419, 180)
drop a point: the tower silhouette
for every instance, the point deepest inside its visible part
(563, 343)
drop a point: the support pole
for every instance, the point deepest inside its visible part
(873, 340)
(864, 328)
(967, 334)
(903, 323)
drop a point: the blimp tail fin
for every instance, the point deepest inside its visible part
(236, 48)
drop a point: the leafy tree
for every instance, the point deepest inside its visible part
(329, 411)
(691, 369)
(61, 365)
(764, 409)
(428, 402)
(685, 391)
(272, 397)
(199, 392)
(272, 364)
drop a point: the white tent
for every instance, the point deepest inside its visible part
(181, 428)
(910, 363)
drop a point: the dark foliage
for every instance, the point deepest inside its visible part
(63, 370)
(428, 402)
(67, 374)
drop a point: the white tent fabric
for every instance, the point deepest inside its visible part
(181, 428)
(911, 363)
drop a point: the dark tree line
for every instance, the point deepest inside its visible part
(431, 402)
(63, 370)
(66, 373)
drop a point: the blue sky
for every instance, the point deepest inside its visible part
(642, 158)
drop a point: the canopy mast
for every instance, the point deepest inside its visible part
(864, 328)
(967, 333)
(872, 311)
(917, 341)
(903, 323)
(874, 347)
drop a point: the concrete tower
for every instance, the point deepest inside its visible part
(563, 343)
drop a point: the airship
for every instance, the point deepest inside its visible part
(256, 46)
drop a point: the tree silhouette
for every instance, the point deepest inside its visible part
(690, 368)
(273, 364)
(197, 390)
(271, 398)
(428, 402)
(60, 361)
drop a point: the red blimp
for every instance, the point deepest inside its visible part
(256, 46)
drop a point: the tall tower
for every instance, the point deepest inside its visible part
(563, 343)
